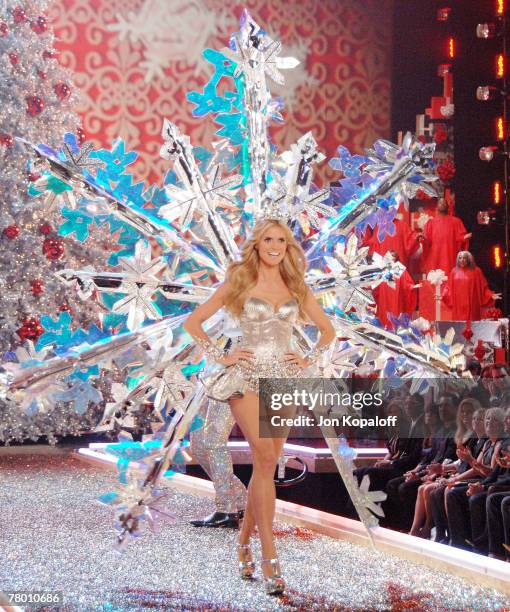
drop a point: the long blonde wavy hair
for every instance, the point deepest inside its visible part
(242, 275)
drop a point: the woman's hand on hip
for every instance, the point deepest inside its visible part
(295, 359)
(243, 357)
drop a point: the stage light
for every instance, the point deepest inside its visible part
(451, 48)
(443, 70)
(443, 14)
(486, 30)
(496, 192)
(500, 8)
(483, 217)
(497, 256)
(500, 128)
(487, 153)
(486, 92)
(500, 66)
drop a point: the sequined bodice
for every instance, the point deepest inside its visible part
(267, 330)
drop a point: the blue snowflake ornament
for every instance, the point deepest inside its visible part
(81, 393)
(78, 222)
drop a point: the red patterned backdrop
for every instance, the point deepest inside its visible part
(135, 60)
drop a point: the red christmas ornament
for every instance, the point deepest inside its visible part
(33, 176)
(7, 140)
(42, 75)
(14, 58)
(62, 91)
(37, 286)
(40, 25)
(446, 171)
(12, 231)
(440, 135)
(30, 330)
(4, 29)
(467, 332)
(66, 308)
(35, 105)
(19, 15)
(49, 54)
(479, 351)
(53, 248)
(493, 313)
(80, 134)
(45, 229)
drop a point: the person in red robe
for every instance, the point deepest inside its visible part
(401, 299)
(443, 237)
(466, 291)
(404, 241)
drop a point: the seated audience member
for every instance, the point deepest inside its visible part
(464, 436)
(496, 381)
(395, 441)
(466, 291)
(397, 300)
(465, 501)
(478, 392)
(402, 491)
(463, 472)
(496, 536)
(409, 448)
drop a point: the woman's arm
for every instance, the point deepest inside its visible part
(480, 467)
(313, 310)
(320, 319)
(193, 324)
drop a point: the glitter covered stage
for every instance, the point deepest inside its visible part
(53, 538)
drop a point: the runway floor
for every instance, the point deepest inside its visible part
(54, 535)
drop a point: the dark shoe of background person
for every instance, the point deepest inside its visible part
(218, 519)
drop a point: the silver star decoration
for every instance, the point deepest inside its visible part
(172, 388)
(198, 193)
(256, 51)
(139, 283)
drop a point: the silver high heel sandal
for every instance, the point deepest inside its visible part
(246, 564)
(275, 584)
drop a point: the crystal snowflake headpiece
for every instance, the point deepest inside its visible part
(271, 210)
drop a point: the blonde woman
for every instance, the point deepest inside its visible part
(423, 518)
(267, 293)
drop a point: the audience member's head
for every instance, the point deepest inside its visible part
(448, 408)
(494, 423)
(506, 422)
(396, 408)
(413, 405)
(496, 380)
(431, 419)
(478, 422)
(500, 377)
(465, 412)
(505, 399)
(475, 368)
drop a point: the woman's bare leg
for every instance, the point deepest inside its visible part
(248, 524)
(427, 528)
(419, 512)
(261, 490)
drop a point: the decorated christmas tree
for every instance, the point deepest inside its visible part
(37, 100)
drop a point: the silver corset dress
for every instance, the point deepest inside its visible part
(267, 332)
